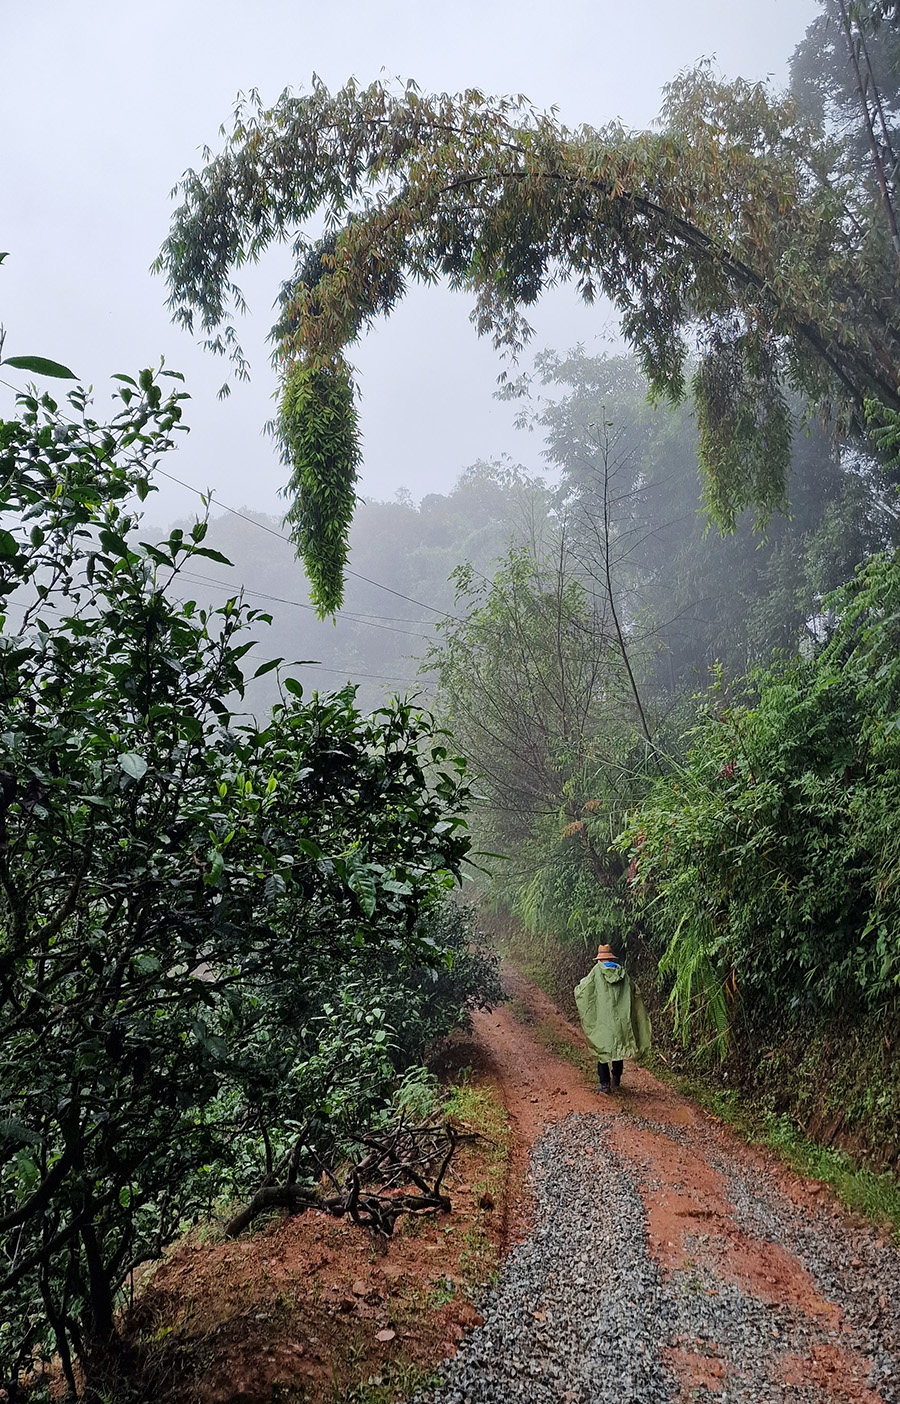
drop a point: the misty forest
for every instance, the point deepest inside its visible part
(307, 818)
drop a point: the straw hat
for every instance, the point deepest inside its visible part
(606, 953)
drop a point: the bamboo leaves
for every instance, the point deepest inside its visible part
(317, 424)
(730, 233)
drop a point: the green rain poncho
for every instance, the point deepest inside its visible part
(612, 1014)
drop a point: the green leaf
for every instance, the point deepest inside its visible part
(8, 546)
(39, 365)
(362, 885)
(112, 542)
(11, 1129)
(27, 1170)
(267, 667)
(212, 555)
(133, 764)
(274, 886)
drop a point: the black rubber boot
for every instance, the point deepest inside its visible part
(603, 1077)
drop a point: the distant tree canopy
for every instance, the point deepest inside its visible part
(702, 598)
(825, 83)
(730, 235)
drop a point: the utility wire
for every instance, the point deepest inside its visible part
(349, 674)
(369, 677)
(298, 604)
(210, 497)
(420, 603)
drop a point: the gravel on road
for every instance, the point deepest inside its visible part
(669, 1262)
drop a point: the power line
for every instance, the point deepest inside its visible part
(421, 605)
(210, 497)
(369, 677)
(352, 676)
(298, 604)
(348, 673)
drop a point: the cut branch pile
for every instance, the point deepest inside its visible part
(375, 1190)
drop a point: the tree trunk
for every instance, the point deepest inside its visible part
(102, 1358)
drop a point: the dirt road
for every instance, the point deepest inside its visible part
(655, 1258)
(703, 1267)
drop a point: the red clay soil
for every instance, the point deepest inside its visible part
(690, 1221)
(301, 1304)
(827, 1370)
(308, 1306)
(536, 1086)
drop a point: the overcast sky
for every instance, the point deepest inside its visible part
(104, 105)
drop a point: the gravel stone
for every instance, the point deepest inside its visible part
(581, 1315)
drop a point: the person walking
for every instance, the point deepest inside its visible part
(613, 1017)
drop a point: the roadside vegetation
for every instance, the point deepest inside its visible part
(225, 942)
(308, 1308)
(667, 684)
